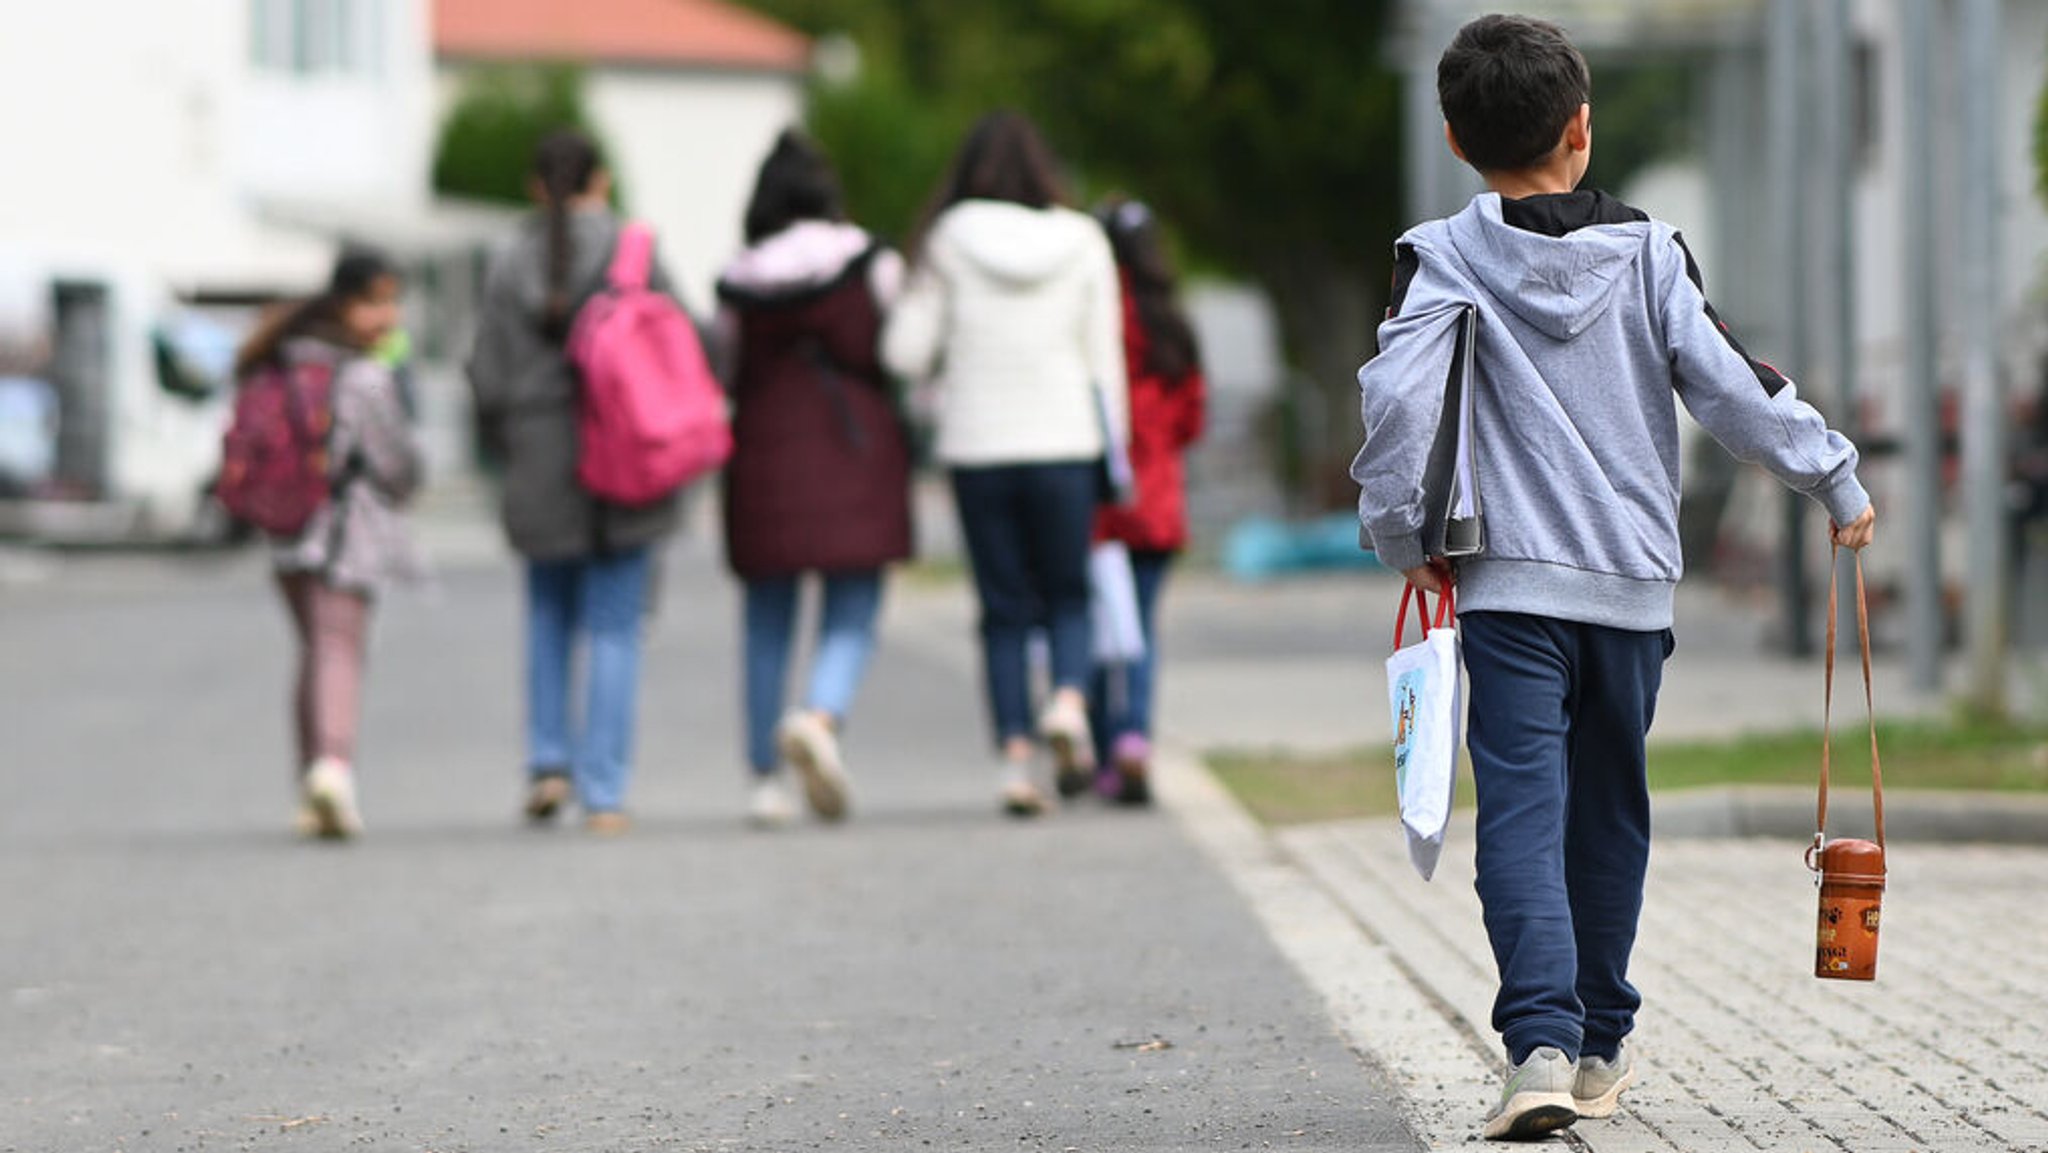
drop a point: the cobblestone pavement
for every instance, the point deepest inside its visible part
(1740, 1047)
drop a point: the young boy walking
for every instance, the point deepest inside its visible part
(1591, 327)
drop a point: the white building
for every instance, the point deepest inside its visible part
(166, 135)
(156, 152)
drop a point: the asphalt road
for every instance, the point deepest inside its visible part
(176, 972)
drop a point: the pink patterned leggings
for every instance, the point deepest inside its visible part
(332, 626)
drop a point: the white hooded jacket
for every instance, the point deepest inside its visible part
(1016, 313)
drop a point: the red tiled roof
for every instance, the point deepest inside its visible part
(709, 33)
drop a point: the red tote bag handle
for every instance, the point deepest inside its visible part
(1446, 611)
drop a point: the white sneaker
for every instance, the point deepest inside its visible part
(1596, 1092)
(1536, 1100)
(331, 798)
(1020, 794)
(807, 742)
(1064, 725)
(768, 804)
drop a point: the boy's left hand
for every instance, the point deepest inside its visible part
(1432, 576)
(1857, 533)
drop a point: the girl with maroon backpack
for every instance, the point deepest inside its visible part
(819, 480)
(1168, 397)
(341, 420)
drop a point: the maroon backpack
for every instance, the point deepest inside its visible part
(274, 470)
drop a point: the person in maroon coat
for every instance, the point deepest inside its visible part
(1168, 407)
(819, 481)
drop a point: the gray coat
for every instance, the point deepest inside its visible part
(526, 399)
(359, 539)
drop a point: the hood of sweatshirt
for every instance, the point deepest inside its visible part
(1554, 261)
(805, 256)
(1013, 243)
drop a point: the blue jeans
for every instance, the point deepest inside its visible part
(1027, 529)
(603, 599)
(1120, 698)
(846, 639)
(1558, 717)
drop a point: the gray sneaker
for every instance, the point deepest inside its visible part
(1536, 1100)
(1597, 1091)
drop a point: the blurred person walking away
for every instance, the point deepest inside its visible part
(337, 413)
(819, 481)
(1013, 308)
(1168, 397)
(587, 560)
(1589, 327)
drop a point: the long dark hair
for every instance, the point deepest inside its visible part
(356, 274)
(796, 183)
(1003, 158)
(564, 165)
(1170, 348)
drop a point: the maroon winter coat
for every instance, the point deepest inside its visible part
(819, 479)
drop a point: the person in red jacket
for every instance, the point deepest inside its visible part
(1167, 407)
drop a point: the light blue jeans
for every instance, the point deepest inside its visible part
(846, 639)
(601, 599)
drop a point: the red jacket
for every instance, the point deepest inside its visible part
(1166, 417)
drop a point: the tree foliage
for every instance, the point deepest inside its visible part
(503, 112)
(2041, 144)
(1255, 129)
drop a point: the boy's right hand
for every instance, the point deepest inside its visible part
(1432, 576)
(1857, 533)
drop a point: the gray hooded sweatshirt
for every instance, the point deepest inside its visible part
(1591, 329)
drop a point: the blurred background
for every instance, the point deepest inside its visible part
(1862, 180)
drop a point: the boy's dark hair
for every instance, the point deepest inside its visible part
(796, 183)
(1508, 86)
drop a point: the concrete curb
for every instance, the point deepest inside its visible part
(1787, 812)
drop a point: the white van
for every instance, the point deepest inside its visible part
(142, 384)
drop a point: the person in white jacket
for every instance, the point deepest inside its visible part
(1013, 312)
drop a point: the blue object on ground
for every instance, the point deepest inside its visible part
(1260, 548)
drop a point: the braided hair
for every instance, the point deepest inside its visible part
(564, 166)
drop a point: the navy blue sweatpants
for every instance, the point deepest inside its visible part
(1559, 713)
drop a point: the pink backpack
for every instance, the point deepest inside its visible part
(653, 417)
(274, 470)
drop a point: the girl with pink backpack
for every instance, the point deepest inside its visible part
(588, 557)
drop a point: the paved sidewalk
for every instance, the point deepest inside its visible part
(1740, 1047)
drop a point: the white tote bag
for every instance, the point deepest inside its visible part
(1428, 701)
(1113, 605)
